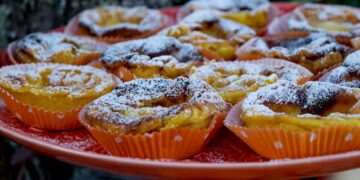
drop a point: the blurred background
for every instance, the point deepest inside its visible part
(21, 17)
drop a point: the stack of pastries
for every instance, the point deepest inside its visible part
(288, 85)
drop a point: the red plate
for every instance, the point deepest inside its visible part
(224, 157)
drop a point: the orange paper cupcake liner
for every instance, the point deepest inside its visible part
(39, 118)
(280, 143)
(73, 28)
(178, 143)
(81, 60)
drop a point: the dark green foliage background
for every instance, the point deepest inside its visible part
(21, 17)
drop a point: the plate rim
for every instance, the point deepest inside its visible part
(25, 139)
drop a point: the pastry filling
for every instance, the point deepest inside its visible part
(332, 19)
(210, 31)
(256, 20)
(111, 18)
(121, 22)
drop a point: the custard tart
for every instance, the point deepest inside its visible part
(215, 36)
(234, 80)
(49, 96)
(315, 51)
(341, 22)
(286, 120)
(116, 23)
(157, 56)
(182, 113)
(55, 48)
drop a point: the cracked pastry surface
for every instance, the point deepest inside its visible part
(234, 80)
(54, 48)
(56, 87)
(157, 56)
(301, 107)
(147, 105)
(348, 74)
(255, 14)
(121, 21)
(315, 51)
(215, 36)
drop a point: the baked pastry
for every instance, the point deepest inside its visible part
(300, 107)
(216, 37)
(49, 96)
(225, 6)
(286, 120)
(234, 80)
(116, 23)
(341, 22)
(255, 14)
(348, 74)
(55, 48)
(146, 111)
(156, 56)
(315, 51)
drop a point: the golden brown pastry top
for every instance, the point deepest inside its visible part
(294, 46)
(121, 21)
(265, 67)
(222, 5)
(155, 101)
(56, 80)
(54, 47)
(209, 26)
(158, 51)
(313, 99)
(332, 19)
(348, 74)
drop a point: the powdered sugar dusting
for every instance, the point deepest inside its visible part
(225, 5)
(311, 98)
(56, 79)
(225, 69)
(47, 47)
(156, 51)
(131, 21)
(332, 19)
(313, 45)
(152, 99)
(196, 26)
(348, 73)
